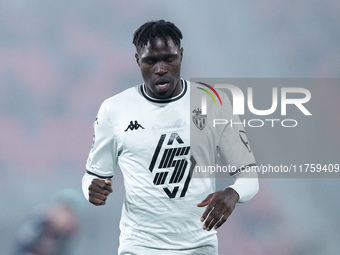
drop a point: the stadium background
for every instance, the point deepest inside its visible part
(60, 59)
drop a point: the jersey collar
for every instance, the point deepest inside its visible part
(168, 100)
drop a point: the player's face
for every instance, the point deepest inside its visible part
(160, 64)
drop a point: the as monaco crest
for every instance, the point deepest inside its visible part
(199, 119)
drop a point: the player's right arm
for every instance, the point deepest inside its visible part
(102, 160)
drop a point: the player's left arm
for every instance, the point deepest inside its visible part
(233, 150)
(220, 205)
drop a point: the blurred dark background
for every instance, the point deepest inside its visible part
(60, 59)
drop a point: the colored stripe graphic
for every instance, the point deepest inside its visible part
(209, 94)
(218, 96)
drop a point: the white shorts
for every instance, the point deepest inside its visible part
(208, 249)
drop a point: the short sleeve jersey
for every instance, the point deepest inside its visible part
(150, 140)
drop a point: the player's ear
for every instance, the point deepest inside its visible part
(137, 59)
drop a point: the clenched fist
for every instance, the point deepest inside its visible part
(99, 190)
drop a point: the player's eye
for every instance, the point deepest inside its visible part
(149, 61)
(169, 60)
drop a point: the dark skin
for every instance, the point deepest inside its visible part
(220, 205)
(160, 65)
(99, 190)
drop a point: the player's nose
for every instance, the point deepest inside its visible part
(161, 68)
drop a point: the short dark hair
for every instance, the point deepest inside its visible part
(159, 28)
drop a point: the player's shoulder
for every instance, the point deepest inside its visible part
(124, 98)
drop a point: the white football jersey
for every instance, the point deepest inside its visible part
(150, 140)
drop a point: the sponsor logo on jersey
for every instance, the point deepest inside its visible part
(133, 126)
(173, 163)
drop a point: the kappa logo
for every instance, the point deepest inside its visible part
(173, 166)
(133, 126)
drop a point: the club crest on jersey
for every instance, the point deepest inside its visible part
(199, 119)
(172, 159)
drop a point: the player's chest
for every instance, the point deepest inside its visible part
(141, 130)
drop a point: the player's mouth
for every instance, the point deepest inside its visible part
(162, 86)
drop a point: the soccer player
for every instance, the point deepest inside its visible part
(148, 131)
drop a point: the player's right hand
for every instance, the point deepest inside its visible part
(99, 190)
